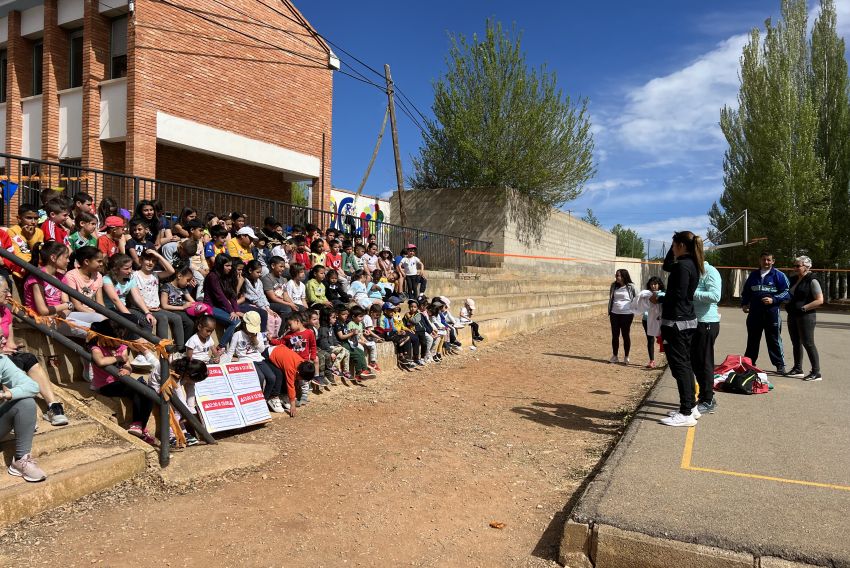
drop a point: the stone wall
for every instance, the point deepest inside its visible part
(482, 214)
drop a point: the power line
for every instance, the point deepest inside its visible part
(240, 12)
(210, 20)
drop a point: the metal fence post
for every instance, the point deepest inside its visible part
(135, 190)
(459, 256)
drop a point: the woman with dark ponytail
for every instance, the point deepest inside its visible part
(685, 263)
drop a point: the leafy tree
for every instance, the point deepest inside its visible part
(590, 218)
(300, 194)
(498, 124)
(629, 242)
(787, 160)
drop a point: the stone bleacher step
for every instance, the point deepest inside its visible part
(71, 474)
(51, 439)
(507, 323)
(493, 304)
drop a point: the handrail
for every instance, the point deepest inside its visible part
(102, 310)
(130, 383)
(164, 426)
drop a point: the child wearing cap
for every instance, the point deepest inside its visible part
(249, 344)
(414, 272)
(240, 245)
(467, 312)
(112, 242)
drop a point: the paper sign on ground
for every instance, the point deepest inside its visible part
(215, 385)
(246, 386)
(220, 413)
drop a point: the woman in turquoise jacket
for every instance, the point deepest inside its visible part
(706, 297)
(17, 412)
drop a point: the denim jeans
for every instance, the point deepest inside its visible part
(224, 317)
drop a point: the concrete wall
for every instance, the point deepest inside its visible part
(482, 214)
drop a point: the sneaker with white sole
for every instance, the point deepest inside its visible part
(625, 360)
(796, 373)
(27, 468)
(694, 412)
(614, 359)
(813, 376)
(679, 419)
(707, 407)
(56, 415)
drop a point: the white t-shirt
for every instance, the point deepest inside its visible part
(410, 265)
(279, 251)
(297, 292)
(201, 350)
(622, 303)
(241, 347)
(148, 288)
(371, 262)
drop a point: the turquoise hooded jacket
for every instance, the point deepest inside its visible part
(707, 295)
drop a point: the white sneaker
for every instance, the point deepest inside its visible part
(614, 359)
(694, 412)
(277, 406)
(270, 402)
(625, 361)
(679, 419)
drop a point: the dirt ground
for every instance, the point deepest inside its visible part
(409, 470)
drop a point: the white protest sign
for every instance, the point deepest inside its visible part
(218, 407)
(245, 383)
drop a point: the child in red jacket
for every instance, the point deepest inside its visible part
(303, 342)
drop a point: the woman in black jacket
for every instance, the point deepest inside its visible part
(685, 263)
(806, 297)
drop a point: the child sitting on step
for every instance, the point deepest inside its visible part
(467, 312)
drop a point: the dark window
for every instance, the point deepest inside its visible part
(118, 48)
(70, 174)
(76, 59)
(4, 64)
(37, 56)
(31, 182)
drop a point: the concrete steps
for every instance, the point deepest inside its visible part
(486, 306)
(78, 459)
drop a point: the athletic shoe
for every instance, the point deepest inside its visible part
(286, 405)
(651, 365)
(781, 372)
(136, 430)
(366, 375)
(625, 361)
(277, 406)
(694, 412)
(27, 468)
(421, 362)
(479, 338)
(614, 359)
(796, 373)
(270, 402)
(679, 419)
(56, 415)
(191, 440)
(707, 408)
(813, 376)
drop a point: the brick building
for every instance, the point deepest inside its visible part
(227, 94)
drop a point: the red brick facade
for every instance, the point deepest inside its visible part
(184, 66)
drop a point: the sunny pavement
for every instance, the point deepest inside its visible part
(799, 431)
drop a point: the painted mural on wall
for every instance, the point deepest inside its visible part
(358, 215)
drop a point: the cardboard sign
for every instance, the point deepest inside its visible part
(231, 397)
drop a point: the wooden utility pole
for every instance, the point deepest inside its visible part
(398, 175)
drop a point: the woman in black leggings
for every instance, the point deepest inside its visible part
(685, 262)
(806, 297)
(620, 313)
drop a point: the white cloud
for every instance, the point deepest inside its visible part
(663, 229)
(611, 184)
(679, 112)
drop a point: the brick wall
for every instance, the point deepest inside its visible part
(95, 69)
(55, 71)
(193, 69)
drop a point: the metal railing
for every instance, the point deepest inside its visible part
(29, 176)
(158, 399)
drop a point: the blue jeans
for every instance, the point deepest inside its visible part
(224, 317)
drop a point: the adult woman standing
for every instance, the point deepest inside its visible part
(806, 297)
(685, 263)
(706, 297)
(620, 297)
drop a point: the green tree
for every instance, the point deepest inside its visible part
(783, 137)
(629, 242)
(590, 218)
(498, 124)
(300, 194)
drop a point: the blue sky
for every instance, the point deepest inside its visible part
(656, 78)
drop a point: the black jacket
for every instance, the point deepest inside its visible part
(802, 294)
(679, 299)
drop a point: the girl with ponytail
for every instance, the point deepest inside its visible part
(684, 262)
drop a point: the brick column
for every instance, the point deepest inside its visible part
(141, 117)
(55, 71)
(95, 66)
(19, 81)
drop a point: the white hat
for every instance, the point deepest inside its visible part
(247, 231)
(470, 303)
(251, 321)
(445, 300)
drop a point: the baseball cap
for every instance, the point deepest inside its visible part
(251, 321)
(389, 306)
(247, 231)
(410, 246)
(113, 221)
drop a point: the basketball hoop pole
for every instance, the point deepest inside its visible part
(746, 217)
